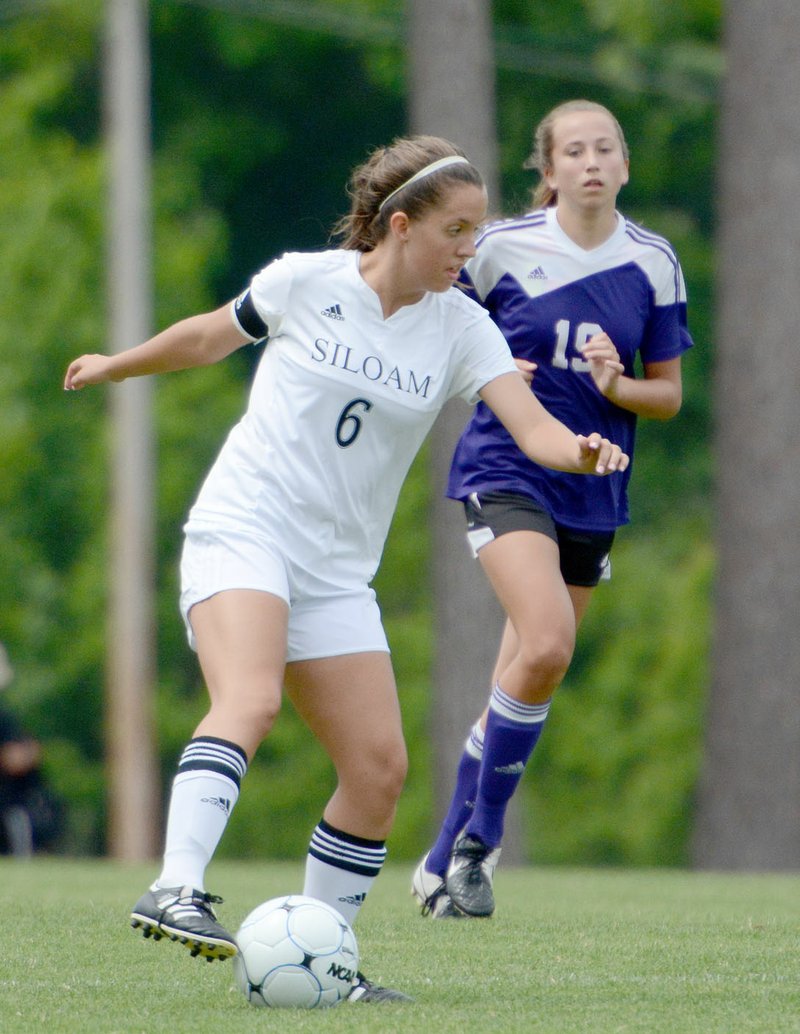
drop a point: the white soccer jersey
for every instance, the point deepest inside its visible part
(341, 402)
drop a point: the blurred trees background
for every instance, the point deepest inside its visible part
(260, 109)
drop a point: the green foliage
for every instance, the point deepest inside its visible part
(259, 112)
(51, 575)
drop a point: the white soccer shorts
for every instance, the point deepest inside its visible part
(325, 619)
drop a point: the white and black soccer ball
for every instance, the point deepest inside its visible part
(295, 952)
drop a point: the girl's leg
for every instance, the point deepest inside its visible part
(350, 704)
(536, 650)
(530, 552)
(241, 637)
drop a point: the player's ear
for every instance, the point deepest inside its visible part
(399, 224)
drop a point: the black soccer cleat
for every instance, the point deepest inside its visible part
(185, 915)
(365, 991)
(469, 876)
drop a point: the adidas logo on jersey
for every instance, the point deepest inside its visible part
(333, 312)
(537, 274)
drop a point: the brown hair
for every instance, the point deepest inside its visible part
(389, 168)
(541, 158)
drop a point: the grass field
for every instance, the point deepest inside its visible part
(568, 951)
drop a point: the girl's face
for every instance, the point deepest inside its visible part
(438, 244)
(588, 166)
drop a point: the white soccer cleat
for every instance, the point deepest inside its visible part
(430, 891)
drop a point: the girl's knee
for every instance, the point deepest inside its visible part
(253, 715)
(545, 662)
(397, 771)
(385, 775)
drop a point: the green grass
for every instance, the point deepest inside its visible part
(568, 951)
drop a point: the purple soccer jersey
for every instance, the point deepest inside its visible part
(549, 296)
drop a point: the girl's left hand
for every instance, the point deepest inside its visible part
(600, 456)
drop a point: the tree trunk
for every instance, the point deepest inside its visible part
(451, 87)
(748, 815)
(134, 791)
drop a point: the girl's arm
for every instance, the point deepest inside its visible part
(657, 395)
(196, 341)
(544, 439)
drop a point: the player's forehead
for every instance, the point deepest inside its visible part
(461, 202)
(581, 127)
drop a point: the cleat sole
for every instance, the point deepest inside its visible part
(211, 949)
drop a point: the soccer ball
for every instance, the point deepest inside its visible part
(295, 952)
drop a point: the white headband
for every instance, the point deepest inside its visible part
(440, 163)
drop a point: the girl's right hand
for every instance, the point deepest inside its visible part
(88, 369)
(526, 368)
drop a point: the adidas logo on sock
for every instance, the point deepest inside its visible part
(517, 768)
(333, 312)
(219, 802)
(353, 899)
(537, 274)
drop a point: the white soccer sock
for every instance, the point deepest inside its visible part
(340, 868)
(203, 795)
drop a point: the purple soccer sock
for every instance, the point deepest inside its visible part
(512, 731)
(461, 803)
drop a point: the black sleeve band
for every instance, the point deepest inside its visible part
(247, 317)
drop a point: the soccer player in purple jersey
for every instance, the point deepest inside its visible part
(583, 295)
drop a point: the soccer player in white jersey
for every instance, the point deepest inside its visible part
(581, 294)
(365, 344)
